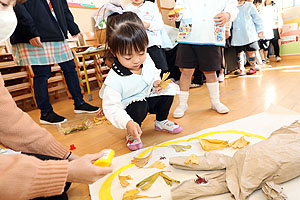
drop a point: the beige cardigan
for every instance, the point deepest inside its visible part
(22, 176)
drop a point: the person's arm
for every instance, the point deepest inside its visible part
(26, 177)
(72, 26)
(157, 22)
(113, 108)
(232, 9)
(20, 133)
(25, 21)
(257, 20)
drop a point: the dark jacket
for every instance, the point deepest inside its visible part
(36, 20)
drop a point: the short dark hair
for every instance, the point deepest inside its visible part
(125, 33)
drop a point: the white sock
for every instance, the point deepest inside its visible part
(213, 89)
(182, 106)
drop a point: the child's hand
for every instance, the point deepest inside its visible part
(227, 34)
(222, 18)
(146, 25)
(261, 35)
(100, 113)
(134, 130)
(173, 17)
(156, 86)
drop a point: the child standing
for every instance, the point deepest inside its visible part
(132, 87)
(201, 38)
(247, 29)
(148, 12)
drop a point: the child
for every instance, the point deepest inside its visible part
(246, 27)
(201, 37)
(267, 15)
(132, 87)
(148, 12)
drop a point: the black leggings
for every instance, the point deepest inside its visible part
(159, 105)
(62, 196)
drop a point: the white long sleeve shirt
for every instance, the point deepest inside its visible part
(121, 88)
(197, 24)
(149, 12)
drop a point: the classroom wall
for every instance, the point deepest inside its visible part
(291, 32)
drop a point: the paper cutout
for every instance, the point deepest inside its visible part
(213, 144)
(164, 82)
(193, 159)
(147, 182)
(101, 120)
(123, 180)
(158, 165)
(200, 180)
(141, 162)
(132, 194)
(239, 144)
(181, 148)
(173, 12)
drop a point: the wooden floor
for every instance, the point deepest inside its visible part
(245, 96)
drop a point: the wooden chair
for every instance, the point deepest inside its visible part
(17, 79)
(95, 70)
(3, 48)
(89, 39)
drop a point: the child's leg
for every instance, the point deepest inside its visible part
(241, 64)
(159, 58)
(252, 61)
(184, 83)
(160, 106)
(213, 89)
(221, 76)
(138, 111)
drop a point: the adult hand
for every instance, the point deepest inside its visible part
(173, 17)
(134, 130)
(36, 42)
(222, 18)
(73, 156)
(82, 170)
(156, 86)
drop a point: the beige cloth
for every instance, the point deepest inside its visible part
(273, 191)
(190, 190)
(262, 165)
(21, 176)
(209, 161)
(275, 159)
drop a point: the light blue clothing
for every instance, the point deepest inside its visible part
(136, 87)
(246, 26)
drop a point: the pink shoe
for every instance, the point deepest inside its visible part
(168, 126)
(132, 143)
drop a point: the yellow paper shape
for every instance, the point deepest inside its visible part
(164, 82)
(123, 180)
(141, 162)
(147, 182)
(213, 144)
(240, 143)
(100, 120)
(181, 148)
(174, 11)
(133, 194)
(158, 165)
(193, 159)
